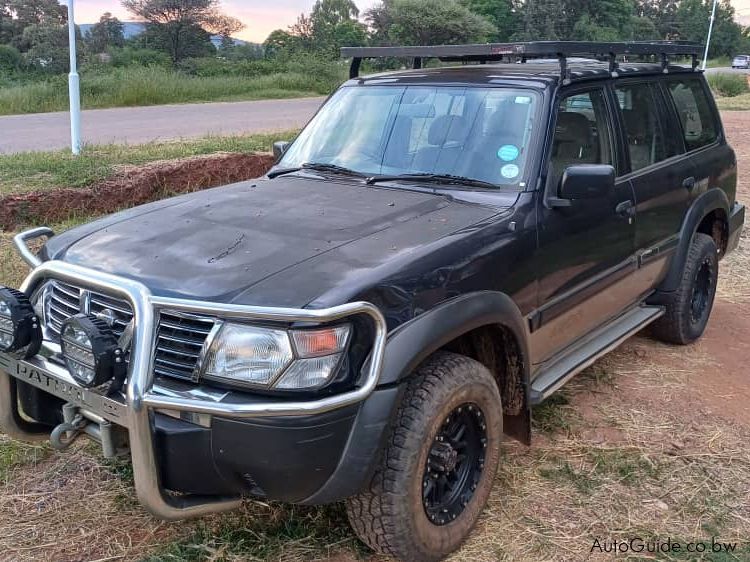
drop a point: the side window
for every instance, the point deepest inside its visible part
(647, 143)
(698, 124)
(582, 133)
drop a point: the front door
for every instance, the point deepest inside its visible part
(586, 251)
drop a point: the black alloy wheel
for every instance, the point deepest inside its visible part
(454, 464)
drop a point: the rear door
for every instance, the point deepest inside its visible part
(661, 177)
(697, 123)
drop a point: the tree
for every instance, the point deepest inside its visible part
(109, 32)
(662, 14)
(428, 22)
(281, 43)
(17, 15)
(380, 20)
(332, 24)
(692, 23)
(505, 15)
(48, 47)
(182, 27)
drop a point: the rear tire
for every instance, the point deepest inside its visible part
(689, 307)
(438, 465)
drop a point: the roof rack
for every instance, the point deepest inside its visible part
(495, 52)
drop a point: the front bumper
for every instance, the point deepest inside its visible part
(152, 436)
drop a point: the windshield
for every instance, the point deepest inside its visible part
(477, 133)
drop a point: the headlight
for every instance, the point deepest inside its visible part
(267, 358)
(20, 331)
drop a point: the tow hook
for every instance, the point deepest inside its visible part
(66, 433)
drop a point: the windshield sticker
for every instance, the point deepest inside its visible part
(510, 171)
(508, 152)
(523, 100)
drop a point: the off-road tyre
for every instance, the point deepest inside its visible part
(689, 307)
(391, 514)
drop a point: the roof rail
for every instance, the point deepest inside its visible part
(494, 52)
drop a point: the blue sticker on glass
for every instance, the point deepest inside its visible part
(510, 171)
(508, 153)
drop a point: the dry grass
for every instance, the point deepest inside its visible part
(638, 445)
(736, 103)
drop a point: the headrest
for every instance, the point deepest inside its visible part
(447, 128)
(636, 124)
(573, 127)
(509, 120)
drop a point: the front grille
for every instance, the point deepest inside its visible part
(66, 300)
(180, 338)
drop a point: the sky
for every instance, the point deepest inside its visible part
(261, 17)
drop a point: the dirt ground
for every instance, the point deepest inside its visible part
(650, 442)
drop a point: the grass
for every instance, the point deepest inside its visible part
(737, 103)
(139, 86)
(266, 532)
(728, 85)
(47, 170)
(14, 455)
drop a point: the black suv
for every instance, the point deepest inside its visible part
(438, 251)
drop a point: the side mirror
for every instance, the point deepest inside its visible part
(585, 181)
(279, 148)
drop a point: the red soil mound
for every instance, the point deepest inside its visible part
(131, 187)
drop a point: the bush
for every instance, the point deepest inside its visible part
(728, 85)
(10, 59)
(130, 56)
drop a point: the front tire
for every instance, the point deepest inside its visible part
(437, 467)
(689, 307)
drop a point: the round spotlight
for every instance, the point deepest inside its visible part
(91, 351)
(20, 331)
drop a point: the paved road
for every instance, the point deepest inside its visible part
(49, 131)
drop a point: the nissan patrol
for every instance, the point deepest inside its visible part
(439, 250)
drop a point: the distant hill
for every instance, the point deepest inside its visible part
(135, 28)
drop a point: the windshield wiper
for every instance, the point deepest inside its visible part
(447, 179)
(318, 167)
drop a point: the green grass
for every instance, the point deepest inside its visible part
(720, 62)
(728, 85)
(555, 415)
(138, 86)
(46, 170)
(283, 531)
(14, 454)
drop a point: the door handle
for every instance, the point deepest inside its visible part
(625, 209)
(689, 183)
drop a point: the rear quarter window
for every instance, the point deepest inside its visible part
(699, 125)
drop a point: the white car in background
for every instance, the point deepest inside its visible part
(741, 61)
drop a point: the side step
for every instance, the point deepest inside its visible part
(583, 355)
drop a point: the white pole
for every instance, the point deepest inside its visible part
(74, 85)
(710, 31)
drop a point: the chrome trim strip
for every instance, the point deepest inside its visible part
(142, 398)
(207, 343)
(20, 242)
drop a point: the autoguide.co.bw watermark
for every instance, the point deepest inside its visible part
(639, 545)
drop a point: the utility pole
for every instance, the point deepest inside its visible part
(710, 31)
(74, 84)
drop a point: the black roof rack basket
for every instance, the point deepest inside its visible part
(561, 50)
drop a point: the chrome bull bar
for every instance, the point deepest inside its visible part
(141, 401)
